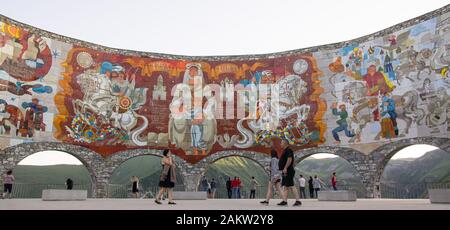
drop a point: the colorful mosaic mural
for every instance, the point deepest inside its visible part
(388, 87)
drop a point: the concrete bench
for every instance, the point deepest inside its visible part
(339, 195)
(178, 195)
(439, 195)
(63, 195)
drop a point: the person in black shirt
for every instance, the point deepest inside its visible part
(286, 165)
(229, 188)
(69, 184)
(311, 187)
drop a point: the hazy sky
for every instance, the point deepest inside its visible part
(208, 27)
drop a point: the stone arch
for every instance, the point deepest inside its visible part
(11, 156)
(114, 161)
(381, 155)
(357, 159)
(200, 168)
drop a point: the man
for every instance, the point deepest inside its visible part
(204, 184)
(234, 187)
(286, 165)
(302, 184)
(213, 188)
(334, 181)
(229, 188)
(253, 184)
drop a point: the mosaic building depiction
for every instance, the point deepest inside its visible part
(385, 87)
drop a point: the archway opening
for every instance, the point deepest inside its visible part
(148, 169)
(323, 165)
(49, 170)
(236, 166)
(409, 172)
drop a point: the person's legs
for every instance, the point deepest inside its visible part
(294, 190)
(160, 193)
(170, 194)
(229, 193)
(269, 191)
(334, 187)
(239, 192)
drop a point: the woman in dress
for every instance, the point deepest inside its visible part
(167, 179)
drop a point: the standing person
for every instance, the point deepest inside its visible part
(213, 188)
(168, 177)
(208, 191)
(334, 181)
(302, 184)
(8, 180)
(228, 184)
(135, 186)
(311, 187)
(275, 177)
(253, 184)
(286, 165)
(204, 184)
(234, 187)
(317, 184)
(239, 186)
(69, 184)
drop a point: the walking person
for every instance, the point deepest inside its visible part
(286, 165)
(213, 187)
(302, 184)
(8, 180)
(168, 178)
(228, 184)
(234, 187)
(275, 177)
(239, 187)
(253, 184)
(69, 184)
(311, 187)
(135, 186)
(317, 184)
(334, 181)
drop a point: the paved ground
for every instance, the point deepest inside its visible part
(218, 204)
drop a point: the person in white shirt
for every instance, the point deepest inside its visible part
(302, 184)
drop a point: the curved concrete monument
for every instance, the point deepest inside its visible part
(362, 99)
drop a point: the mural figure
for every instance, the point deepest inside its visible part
(192, 131)
(34, 118)
(342, 122)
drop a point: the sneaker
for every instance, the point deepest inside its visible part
(172, 203)
(158, 202)
(264, 202)
(282, 203)
(297, 203)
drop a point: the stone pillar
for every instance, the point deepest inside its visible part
(192, 175)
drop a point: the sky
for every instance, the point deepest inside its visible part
(208, 27)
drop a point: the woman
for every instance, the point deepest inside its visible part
(135, 186)
(8, 180)
(168, 179)
(275, 177)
